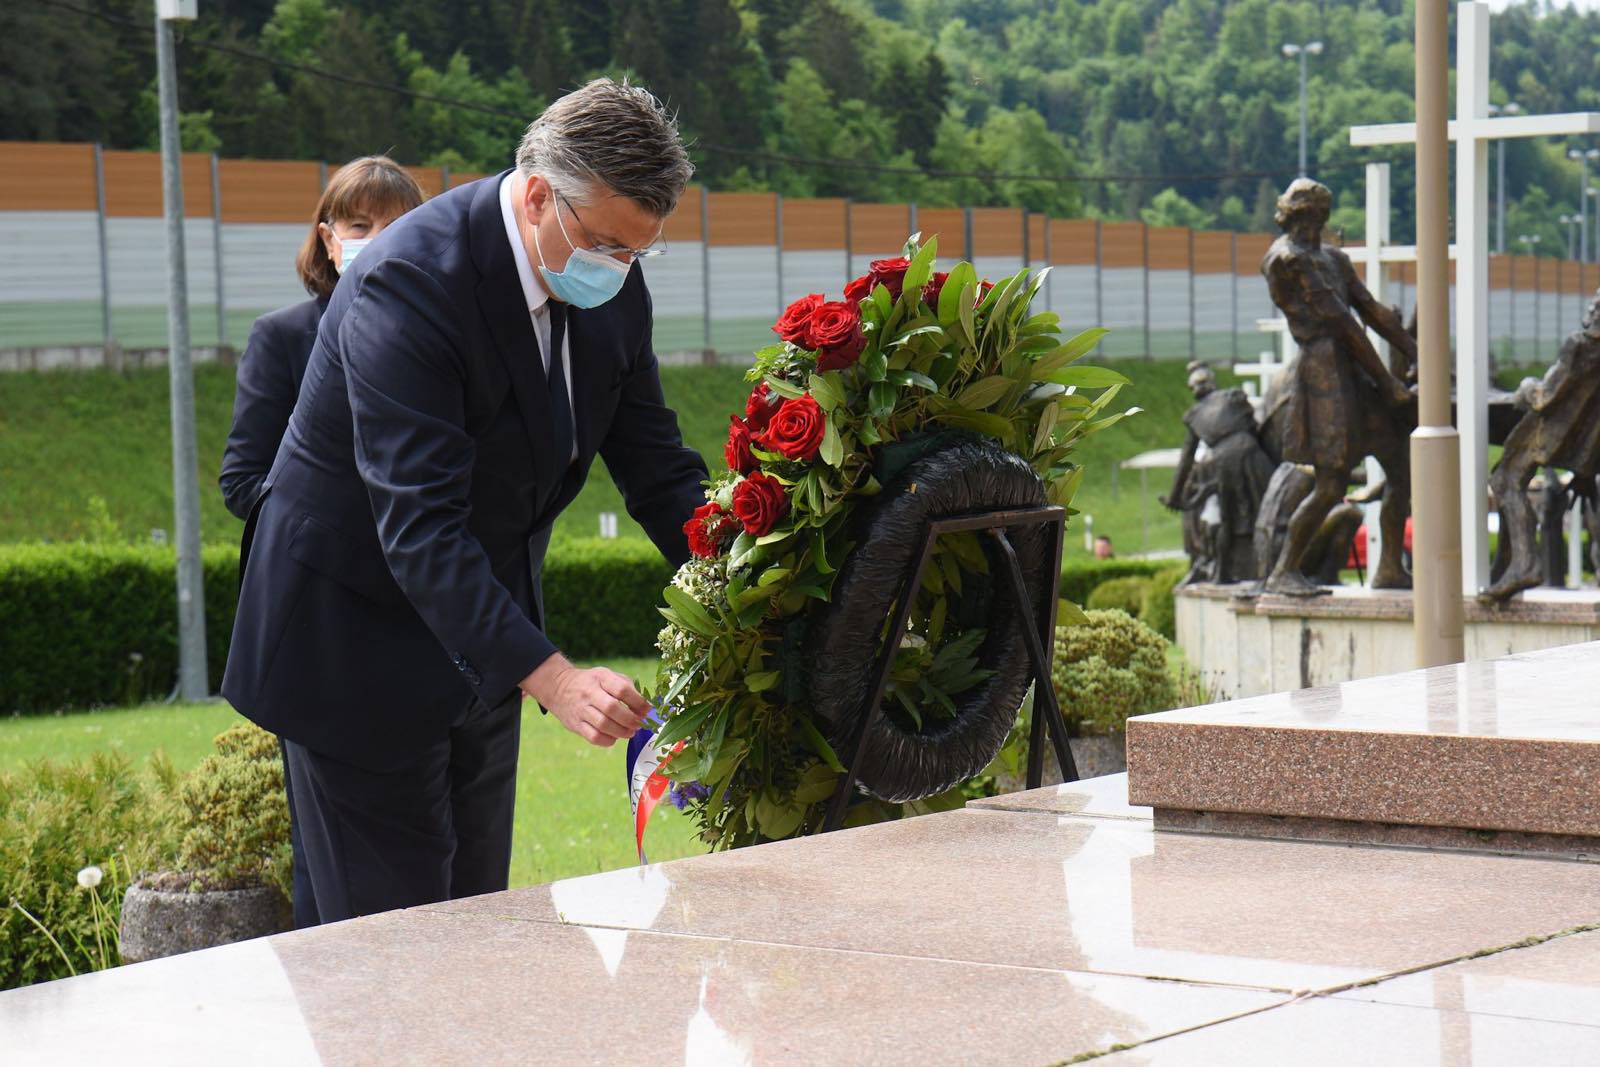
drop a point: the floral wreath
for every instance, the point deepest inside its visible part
(907, 351)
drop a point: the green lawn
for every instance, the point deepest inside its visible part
(572, 804)
(66, 437)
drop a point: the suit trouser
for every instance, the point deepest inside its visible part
(435, 829)
(302, 896)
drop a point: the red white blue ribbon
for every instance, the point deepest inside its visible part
(647, 782)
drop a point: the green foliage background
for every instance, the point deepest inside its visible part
(1030, 87)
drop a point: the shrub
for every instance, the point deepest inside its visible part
(1108, 669)
(56, 819)
(89, 624)
(1080, 577)
(95, 624)
(233, 817)
(1120, 594)
(1159, 609)
(601, 596)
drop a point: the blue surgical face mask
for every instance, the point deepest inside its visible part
(590, 278)
(352, 248)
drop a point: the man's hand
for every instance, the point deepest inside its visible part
(599, 705)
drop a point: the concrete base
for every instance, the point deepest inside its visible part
(1248, 646)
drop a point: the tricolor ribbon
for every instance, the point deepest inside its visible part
(647, 782)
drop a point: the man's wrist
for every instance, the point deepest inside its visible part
(542, 683)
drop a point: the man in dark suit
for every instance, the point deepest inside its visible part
(465, 374)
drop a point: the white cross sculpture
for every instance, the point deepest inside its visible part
(1472, 131)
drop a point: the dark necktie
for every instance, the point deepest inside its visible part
(556, 380)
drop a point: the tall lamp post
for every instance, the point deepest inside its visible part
(193, 681)
(1512, 108)
(1530, 247)
(1310, 48)
(1584, 158)
(1571, 223)
(1593, 194)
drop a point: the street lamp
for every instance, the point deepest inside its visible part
(1528, 243)
(1310, 48)
(1584, 157)
(1500, 178)
(1592, 193)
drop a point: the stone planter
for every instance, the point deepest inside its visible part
(1095, 757)
(158, 922)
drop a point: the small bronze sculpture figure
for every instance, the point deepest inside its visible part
(1221, 479)
(1338, 402)
(1561, 429)
(1329, 549)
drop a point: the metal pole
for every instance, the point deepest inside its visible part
(1191, 296)
(1049, 261)
(777, 230)
(1583, 209)
(966, 226)
(1303, 58)
(107, 339)
(1233, 295)
(216, 253)
(1435, 446)
(1099, 279)
(708, 353)
(1144, 236)
(849, 252)
(192, 678)
(1500, 198)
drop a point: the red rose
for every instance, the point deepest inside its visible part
(737, 450)
(890, 273)
(707, 529)
(792, 324)
(759, 502)
(858, 290)
(796, 430)
(759, 407)
(983, 290)
(935, 286)
(831, 324)
(842, 355)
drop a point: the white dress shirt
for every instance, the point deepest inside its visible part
(538, 300)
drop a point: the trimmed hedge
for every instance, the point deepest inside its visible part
(1079, 578)
(89, 624)
(86, 625)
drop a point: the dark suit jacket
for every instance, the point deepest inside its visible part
(390, 570)
(270, 371)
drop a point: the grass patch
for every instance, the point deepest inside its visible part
(572, 813)
(68, 436)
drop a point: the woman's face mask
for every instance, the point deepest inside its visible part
(345, 239)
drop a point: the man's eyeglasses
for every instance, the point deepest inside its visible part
(657, 249)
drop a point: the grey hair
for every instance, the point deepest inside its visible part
(611, 134)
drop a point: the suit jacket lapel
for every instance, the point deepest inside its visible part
(505, 309)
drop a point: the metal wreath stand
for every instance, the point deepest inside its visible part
(1039, 639)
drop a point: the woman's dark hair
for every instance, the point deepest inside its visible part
(374, 187)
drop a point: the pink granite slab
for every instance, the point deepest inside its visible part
(1088, 894)
(1339, 1033)
(439, 989)
(1105, 797)
(1503, 745)
(1556, 981)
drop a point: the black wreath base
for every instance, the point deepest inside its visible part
(969, 476)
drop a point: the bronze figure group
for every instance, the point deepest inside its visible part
(1265, 498)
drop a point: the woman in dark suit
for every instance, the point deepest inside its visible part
(361, 199)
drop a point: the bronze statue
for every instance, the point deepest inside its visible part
(1561, 428)
(1338, 402)
(1329, 549)
(1221, 479)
